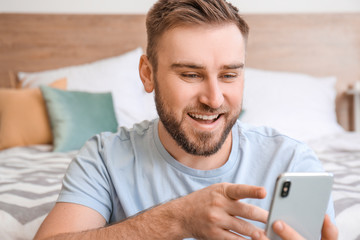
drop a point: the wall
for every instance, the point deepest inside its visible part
(141, 6)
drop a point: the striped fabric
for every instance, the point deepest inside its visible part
(340, 154)
(30, 179)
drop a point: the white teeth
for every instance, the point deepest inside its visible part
(204, 117)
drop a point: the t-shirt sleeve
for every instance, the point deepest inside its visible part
(87, 181)
(305, 160)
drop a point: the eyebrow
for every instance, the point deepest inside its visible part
(186, 65)
(196, 66)
(233, 66)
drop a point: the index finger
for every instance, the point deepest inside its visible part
(240, 191)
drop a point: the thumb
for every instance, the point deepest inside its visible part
(329, 231)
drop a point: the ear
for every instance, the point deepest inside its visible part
(145, 71)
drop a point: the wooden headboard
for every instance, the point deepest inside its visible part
(34, 42)
(316, 44)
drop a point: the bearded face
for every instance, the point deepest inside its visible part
(190, 139)
(198, 86)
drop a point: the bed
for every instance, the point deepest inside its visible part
(299, 68)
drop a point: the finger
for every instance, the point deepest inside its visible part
(224, 234)
(285, 231)
(240, 226)
(240, 191)
(225, 230)
(222, 220)
(329, 231)
(259, 235)
(232, 235)
(247, 211)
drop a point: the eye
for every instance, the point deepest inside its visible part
(191, 75)
(229, 76)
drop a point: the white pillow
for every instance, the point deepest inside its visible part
(119, 75)
(298, 105)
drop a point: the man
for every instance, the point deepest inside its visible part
(182, 176)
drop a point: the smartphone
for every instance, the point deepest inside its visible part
(300, 200)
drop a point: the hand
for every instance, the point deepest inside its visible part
(210, 212)
(205, 214)
(328, 232)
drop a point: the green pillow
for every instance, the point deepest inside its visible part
(77, 116)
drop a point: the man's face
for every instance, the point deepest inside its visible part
(199, 85)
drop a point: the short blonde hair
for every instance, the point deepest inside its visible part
(168, 14)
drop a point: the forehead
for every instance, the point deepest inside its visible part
(208, 45)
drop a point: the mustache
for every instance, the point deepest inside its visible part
(205, 108)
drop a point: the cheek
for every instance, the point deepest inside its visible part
(181, 98)
(176, 96)
(234, 94)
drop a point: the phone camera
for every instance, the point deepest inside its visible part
(285, 189)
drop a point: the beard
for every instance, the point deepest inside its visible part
(201, 143)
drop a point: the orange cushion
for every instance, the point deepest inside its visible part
(23, 116)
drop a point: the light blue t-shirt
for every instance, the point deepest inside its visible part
(121, 174)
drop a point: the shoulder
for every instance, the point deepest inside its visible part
(124, 134)
(268, 143)
(125, 139)
(264, 134)
(268, 140)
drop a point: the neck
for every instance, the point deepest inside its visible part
(214, 161)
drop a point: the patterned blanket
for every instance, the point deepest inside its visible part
(340, 154)
(30, 179)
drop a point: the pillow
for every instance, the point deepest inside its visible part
(298, 105)
(118, 75)
(76, 116)
(23, 117)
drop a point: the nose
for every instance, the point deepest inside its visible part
(211, 94)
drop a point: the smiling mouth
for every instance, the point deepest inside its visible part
(206, 118)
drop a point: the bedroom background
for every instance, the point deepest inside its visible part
(30, 176)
